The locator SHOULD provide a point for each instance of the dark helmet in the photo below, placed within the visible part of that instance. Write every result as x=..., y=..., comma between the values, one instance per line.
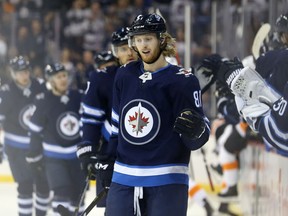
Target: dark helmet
x=19, y=63
x=52, y=69
x=103, y=58
x=120, y=36
x=151, y=23
x=281, y=25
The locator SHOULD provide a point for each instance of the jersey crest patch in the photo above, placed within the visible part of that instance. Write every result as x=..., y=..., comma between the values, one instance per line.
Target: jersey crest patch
x=146, y=76
x=68, y=126
x=185, y=72
x=25, y=115
x=140, y=122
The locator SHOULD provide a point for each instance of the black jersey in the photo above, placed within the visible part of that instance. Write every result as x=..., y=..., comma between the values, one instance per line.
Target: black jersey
x=55, y=124
x=273, y=127
x=145, y=107
x=97, y=105
x=16, y=107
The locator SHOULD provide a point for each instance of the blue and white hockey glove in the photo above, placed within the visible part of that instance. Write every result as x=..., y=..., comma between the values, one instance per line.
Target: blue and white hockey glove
x=190, y=124
x=86, y=153
x=229, y=70
x=104, y=167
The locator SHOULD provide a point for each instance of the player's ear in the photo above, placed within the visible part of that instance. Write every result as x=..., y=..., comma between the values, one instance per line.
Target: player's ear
x=162, y=42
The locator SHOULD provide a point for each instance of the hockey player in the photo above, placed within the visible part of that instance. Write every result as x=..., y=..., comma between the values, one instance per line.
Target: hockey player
x=104, y=59
x=15, y=111
x=262, y=97
x=54, y=130
x=97, y=102
x=157, y=119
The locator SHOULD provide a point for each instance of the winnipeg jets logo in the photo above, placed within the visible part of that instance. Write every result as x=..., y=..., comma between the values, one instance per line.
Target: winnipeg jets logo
x=25, y=115
x=64, y=99
x=27, y=92
x=140, y=122
x=146, y=76
x=185, y=72
x=68, y=126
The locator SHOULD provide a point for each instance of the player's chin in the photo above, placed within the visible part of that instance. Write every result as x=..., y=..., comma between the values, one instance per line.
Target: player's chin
x=147, y=59
x=130, y=60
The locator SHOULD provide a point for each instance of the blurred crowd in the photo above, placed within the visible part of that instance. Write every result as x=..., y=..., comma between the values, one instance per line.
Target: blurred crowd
x=73, y=31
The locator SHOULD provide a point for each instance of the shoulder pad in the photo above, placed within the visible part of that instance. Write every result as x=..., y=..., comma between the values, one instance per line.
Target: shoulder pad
x=40, y=96
x=185, y=72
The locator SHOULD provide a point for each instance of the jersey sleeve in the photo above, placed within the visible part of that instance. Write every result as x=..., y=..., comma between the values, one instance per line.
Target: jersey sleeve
x=190, y=97
x=273, y=127
x=5, y=103
x=113, y=142
x=37, y=125
x=93, y=116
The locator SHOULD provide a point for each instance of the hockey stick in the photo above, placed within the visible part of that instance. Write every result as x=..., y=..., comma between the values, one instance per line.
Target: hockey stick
x=95, y=201
x=259, y=38
x=207, y=170
x=63, y=211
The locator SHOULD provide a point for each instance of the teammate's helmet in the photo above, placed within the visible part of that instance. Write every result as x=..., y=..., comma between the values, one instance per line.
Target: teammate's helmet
x=103, y=58
x=19, y=63
x=150, y=23
x=120, y=36
x=281, y=25
x=52, y=69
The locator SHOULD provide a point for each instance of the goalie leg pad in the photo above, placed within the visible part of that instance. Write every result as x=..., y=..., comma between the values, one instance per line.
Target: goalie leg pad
x=252, y=88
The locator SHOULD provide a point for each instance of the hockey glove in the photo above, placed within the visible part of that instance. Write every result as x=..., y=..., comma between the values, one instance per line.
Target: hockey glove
x=229, y=70
x=1, y=152
x=226, y=103
x=207, y=71
x=190, y=124
x=36, y=163
x=104, y=167
x=86, y=154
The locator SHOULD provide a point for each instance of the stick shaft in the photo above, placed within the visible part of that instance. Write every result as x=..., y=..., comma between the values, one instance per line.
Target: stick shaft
x=207, y=170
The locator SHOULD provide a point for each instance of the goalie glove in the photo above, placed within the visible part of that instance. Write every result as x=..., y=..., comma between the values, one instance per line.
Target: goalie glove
x=86, y=153
x=250, y=86
x=190, y=124
x=251, y=112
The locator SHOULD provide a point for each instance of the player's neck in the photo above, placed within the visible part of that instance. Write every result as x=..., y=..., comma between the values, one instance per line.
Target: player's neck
x=160, y=63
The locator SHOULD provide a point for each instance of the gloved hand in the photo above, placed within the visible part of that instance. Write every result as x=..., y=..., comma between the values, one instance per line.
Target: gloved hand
x=228, y=70
x=86, y=153
x=35, y=161
x=190, y=124
x=104, y=167
x=226, y=103
x=207, y=71
x=1, y=152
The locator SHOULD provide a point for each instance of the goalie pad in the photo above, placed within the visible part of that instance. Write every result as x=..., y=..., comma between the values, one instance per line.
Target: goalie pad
x=251, y=87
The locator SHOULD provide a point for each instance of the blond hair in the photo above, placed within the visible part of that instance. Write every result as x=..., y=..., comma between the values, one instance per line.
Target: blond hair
x=170, y=48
